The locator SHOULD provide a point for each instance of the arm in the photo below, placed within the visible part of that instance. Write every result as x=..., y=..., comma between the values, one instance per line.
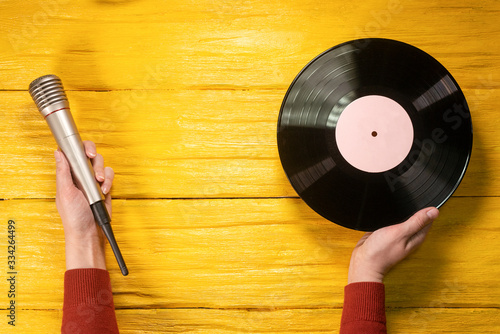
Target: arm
x=372, y=258
x=88, y=299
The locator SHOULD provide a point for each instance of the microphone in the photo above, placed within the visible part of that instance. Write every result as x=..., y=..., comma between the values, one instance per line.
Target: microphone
x=50, y=99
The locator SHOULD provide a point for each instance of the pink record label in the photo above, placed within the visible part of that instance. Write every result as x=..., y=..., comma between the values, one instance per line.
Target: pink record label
x=374, y=133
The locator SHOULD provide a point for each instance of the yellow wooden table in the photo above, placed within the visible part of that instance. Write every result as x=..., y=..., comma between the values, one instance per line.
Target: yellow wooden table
x=182, y=99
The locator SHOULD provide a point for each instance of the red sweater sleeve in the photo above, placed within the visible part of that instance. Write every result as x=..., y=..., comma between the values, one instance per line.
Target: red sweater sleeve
x=88, y=303
x=364, y=309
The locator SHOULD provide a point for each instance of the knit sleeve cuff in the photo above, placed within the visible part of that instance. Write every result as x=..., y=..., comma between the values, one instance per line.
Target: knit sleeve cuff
x=88, y=303
x=87, y=286
x=364, y=301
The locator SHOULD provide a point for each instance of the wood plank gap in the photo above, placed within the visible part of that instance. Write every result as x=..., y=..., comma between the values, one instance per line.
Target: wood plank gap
x=271, y=309
x=197, y=198
x=242, y=89
x=159, y=198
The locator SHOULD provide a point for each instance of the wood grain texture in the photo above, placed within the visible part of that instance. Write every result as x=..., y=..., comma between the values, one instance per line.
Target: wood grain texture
x=184, y=143
x=182, y=98
x=269, y=321
x=229, y=44
x=257, y=253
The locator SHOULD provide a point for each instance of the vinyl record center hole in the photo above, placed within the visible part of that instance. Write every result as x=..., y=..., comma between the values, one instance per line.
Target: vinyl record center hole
x=374, y=134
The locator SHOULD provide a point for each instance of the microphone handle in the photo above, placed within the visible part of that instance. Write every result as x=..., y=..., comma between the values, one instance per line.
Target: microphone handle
x=103, y=220
x=68, y=139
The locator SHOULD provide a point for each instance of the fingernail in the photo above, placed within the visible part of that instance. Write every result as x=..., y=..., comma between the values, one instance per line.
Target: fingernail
x=57, y=156
x=104, y=190
x=433, y=213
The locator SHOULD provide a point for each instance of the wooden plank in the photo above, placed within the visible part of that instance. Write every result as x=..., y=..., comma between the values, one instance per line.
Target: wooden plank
x=314, y=321
x=255, y=253
x=229, y=44
x=210, y=143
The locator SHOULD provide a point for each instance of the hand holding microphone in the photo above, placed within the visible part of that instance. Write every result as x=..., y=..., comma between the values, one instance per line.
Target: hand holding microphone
x=49, y=96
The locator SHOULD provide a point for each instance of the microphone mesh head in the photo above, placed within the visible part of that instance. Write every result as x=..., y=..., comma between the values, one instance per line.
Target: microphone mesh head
x=46, y=91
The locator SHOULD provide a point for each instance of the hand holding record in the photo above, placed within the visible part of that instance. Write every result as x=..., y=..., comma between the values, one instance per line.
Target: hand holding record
x=372, y=258
x=377, y=252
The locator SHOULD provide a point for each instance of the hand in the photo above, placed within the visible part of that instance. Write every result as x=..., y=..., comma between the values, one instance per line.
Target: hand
x=84, y=239
x=377, y=252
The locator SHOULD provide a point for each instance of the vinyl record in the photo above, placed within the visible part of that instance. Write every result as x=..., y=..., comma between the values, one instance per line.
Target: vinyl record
x=373, y=130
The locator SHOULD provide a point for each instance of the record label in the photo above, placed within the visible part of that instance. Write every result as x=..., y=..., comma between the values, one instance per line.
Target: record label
x=373, y=130
x=374, y=133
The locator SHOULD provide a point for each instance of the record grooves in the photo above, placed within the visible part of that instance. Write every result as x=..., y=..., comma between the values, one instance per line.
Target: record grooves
x=371, y=131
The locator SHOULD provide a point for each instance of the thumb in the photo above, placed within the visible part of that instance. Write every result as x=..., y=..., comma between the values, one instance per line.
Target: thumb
x=418, y=226
x=63, y=172
x=420, y=220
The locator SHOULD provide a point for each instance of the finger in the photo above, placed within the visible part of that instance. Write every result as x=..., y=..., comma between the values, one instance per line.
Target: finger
x=432, y=213
x=419, y=220
x=107, y=202
x=63, y=172
x=90, y=148
x=363, y=239
x=418, y=238
x=109, y=175
x=98, y=164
